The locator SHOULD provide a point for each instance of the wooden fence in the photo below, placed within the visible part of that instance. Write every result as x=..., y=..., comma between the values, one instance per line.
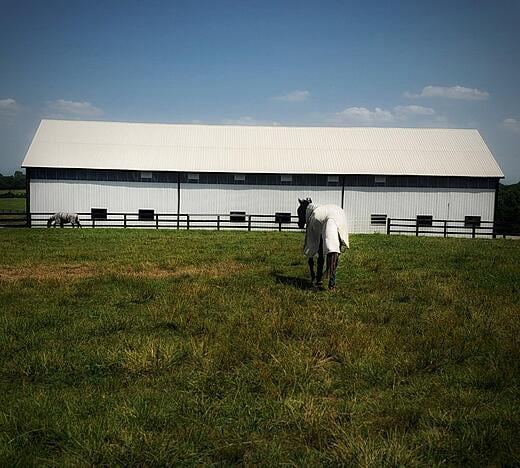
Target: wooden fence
x=247, y=222
x=447, y=228
x=250, y=222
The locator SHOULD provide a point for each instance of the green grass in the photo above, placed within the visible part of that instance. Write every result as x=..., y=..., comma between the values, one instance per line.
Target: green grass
x=127, y=347
x=12, y=203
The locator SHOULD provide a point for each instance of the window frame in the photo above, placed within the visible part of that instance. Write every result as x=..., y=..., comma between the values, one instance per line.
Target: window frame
x=471, y=221
x=145, y=214
x=333, y=180
x=283, y=217
x=378, y=219
x=424, y=220
x=193, y=177
x=239, y=178
x=98, y=214
x=237, y=216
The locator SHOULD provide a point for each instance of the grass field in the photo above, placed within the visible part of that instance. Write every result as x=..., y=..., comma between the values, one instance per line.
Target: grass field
x=159, y=347
x=12, y=203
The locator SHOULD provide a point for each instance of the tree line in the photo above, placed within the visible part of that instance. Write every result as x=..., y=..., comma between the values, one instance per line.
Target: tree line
x=11, y=182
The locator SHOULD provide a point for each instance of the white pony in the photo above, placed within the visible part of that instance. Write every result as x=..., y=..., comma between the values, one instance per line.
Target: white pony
x=63, y=218
x=326, y=233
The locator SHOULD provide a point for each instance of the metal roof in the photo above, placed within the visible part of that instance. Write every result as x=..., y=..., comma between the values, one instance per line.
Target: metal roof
x=261, y=149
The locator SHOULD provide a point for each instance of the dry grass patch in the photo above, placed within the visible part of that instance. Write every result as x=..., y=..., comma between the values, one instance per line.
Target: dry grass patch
x=44, y=272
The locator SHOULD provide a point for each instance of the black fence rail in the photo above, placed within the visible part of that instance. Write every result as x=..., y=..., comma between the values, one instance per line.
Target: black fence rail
x=448, y=228
x=247, y=222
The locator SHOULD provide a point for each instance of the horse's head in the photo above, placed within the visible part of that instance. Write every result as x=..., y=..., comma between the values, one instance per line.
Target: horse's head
x=302, y=210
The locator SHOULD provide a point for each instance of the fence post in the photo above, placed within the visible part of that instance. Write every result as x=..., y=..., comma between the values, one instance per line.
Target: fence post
x=388, y=221
x=93, y=222
x=29, y=220
x=473, y=229
x=280, y=226
x=218, y=223
x=124, y=220
x=445, y=228
x=188, y=222
x=156, y=221
x=416, y=227
x=249, y=223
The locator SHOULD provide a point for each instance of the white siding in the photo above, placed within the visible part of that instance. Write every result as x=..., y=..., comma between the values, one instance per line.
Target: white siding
x=253, y=199
x=81, y=196
x=359, y=203
x=453, y=204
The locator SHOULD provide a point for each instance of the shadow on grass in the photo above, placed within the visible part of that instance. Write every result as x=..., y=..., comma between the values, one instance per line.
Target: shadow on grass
x=293, y=281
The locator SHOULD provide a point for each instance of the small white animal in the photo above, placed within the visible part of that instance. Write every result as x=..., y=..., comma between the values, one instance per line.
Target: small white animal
x=63, y=218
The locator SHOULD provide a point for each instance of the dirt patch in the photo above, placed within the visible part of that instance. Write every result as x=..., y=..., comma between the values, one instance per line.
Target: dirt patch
x=66, y=272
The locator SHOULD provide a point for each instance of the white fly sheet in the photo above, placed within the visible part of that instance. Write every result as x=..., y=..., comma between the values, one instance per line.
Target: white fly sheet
x=329, y=222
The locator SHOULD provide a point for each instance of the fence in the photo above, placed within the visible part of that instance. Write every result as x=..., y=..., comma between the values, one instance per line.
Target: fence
x=447, y=228
x=248, y=222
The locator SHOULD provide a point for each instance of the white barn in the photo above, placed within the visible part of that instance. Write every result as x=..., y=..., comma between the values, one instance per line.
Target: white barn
x=373, y=173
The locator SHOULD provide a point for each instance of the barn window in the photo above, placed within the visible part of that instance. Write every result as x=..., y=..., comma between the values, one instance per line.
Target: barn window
x=282, y=217
x=146, y=215
x=193, y=178
x=378, y=219
x=424, y=220
x=380, y=181
x=472, y=221
x=98, y=213
x=240, y=178
x=333, y=180
x=237, y=216
x=286, y=179
x=146, y=175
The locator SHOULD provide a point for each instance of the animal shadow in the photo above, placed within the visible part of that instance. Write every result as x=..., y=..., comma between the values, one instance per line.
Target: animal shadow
x=293, y=281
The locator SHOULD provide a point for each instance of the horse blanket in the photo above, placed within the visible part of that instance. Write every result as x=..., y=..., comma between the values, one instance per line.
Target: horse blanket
x=328, y=222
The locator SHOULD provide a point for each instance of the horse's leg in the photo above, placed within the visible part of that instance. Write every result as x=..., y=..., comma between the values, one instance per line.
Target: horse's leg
x=321, y=262
x=311, y=269
x=332, y=265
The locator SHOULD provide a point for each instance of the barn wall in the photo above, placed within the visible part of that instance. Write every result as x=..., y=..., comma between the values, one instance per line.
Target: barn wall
x=254, y=199
x=81, y=196
x=455, y=204
x=359, y=202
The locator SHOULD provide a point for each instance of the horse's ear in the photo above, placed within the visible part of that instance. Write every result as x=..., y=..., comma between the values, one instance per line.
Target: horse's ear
x=309, y=200
x=299, y=201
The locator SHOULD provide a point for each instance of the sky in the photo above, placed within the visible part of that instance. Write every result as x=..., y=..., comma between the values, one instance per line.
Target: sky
x=329, y=63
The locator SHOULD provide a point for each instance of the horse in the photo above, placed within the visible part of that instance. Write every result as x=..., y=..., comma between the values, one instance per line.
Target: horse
x=63, y=218
x=325, y=234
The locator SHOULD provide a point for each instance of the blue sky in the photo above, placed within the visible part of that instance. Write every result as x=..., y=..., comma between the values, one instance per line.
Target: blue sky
x=369, y=63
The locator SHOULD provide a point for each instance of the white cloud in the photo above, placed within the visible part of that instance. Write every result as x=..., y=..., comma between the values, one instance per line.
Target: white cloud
x=512, y=124
x=404, y=112
x=362, y=115
x=398, y=115
x=8, y=106
x=248, y=120
x=450, y=92
x=294, y=96
x=64, y=108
